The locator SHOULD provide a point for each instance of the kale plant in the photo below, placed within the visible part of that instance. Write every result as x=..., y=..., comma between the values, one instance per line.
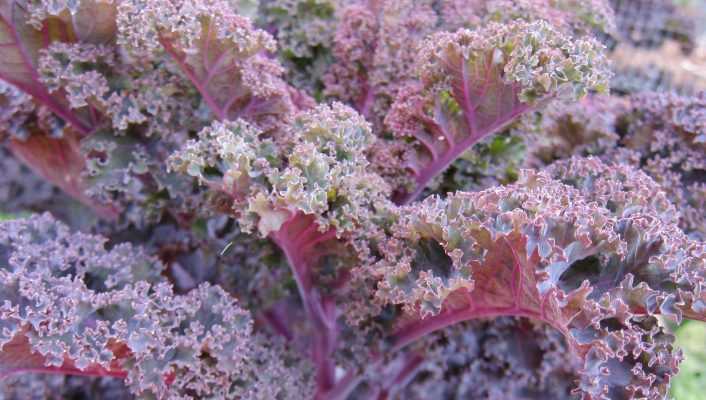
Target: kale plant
x=329, y=199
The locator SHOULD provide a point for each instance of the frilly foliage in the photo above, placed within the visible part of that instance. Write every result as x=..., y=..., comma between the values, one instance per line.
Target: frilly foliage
x=79, y=307
x=233, y=185
x=317, y=167
x=304, y=30
x=592, y=250
x=476, y=82
x=662, y=134
x=477, y=359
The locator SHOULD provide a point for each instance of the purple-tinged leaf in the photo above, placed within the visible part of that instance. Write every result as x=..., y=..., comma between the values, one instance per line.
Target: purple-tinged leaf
x=60, y=162
x=69, y=305
x=233, y=84
x=589, y=249
x=473, y=83
x=217, y=49
x=375, y=51
x=503, y=358
x=304, y=189
x=22, y=38
x=18, y=356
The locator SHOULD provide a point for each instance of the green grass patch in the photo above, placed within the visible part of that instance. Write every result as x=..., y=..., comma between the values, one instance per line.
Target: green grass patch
x=690, y=382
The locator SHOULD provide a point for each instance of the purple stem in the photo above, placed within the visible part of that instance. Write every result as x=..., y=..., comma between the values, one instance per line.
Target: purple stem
x=37, y=90
x=428, y=172
x=419, y=329
x=402, y=377
x=344, y=387
x=296, y=238
x=188, y=71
